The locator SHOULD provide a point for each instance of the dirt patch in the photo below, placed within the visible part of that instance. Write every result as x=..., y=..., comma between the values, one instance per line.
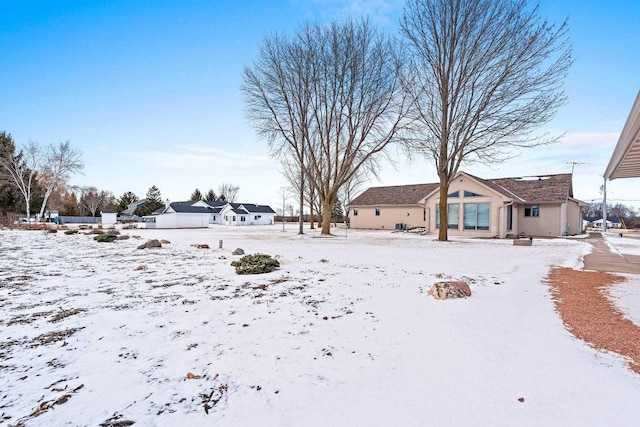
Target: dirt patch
x=580, y=299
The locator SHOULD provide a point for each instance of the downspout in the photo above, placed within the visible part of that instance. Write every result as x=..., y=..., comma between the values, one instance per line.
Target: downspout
x=502, y=225
x=604, y=207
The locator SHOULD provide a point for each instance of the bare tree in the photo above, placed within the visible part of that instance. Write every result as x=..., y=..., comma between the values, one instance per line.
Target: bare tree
x=20, y=169
x=91, y=199
x=485, y=74
x=60, y=162
x=331, y=97
x=350, y=189
x=228, y=192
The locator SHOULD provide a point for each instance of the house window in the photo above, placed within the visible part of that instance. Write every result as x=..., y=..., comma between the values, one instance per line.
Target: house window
x=355, y=211
x=214, y=217
x=510, y=217
x=471, y=194
x=377, y=211
x=242, y=218
x=453, y=216
x=226, y=218
x=476, y=216
x=454, y=194
x=257, y=217
x=531, y=210
x=234, y=218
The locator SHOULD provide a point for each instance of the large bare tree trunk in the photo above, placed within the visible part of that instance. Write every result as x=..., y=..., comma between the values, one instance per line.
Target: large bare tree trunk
x=444, y=224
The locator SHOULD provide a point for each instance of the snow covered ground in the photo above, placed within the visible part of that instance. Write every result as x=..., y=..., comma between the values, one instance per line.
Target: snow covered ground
x=342, y=334
x=626, y=295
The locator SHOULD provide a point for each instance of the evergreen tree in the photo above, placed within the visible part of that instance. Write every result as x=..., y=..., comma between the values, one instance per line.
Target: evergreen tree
x=211, y=196
x=152, y=202
x=125, y=200
x=196, y=195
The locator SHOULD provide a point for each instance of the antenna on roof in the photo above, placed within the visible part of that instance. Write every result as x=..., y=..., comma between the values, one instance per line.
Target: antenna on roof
x=573, y=165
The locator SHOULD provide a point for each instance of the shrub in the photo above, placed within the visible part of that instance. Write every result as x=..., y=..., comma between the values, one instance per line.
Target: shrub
x=105, y=238
x=68, y=232
x=256, y=264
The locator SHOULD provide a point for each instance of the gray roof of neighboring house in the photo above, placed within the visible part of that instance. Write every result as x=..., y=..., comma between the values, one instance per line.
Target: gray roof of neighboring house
x=253, y=208
x=543, y=188
x=215, y=204
x=187, y=207
x=393, y=195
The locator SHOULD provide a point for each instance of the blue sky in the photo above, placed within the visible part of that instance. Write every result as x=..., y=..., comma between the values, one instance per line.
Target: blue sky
x=149, y=91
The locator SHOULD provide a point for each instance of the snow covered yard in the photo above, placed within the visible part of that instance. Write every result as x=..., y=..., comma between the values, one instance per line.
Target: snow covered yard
x=343, y=333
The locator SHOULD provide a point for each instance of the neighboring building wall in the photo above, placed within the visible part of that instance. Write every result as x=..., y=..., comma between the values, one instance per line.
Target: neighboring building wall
x=109, y=218
x=389, y=216
x=182, y=220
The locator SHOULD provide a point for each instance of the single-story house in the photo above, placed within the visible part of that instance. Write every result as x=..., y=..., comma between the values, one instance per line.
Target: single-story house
x=247, y=214
x=201, y=214
x=611, y=223
x=532, y=206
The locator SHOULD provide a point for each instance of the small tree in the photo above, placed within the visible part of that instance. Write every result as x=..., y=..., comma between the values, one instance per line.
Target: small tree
x=125, y=200
x=196, y=196
x=228, y=192
x=91, y=199
x=211, y=196
x=60, y=162
x=152, y=202
x=20, y=169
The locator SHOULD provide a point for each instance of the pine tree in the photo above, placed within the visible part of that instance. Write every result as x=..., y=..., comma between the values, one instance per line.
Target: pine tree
x=196, y=195
x=125, y=200
x=152, y=202
x=211, y=196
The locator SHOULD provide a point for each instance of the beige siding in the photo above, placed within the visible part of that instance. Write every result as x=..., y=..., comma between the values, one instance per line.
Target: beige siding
x=548, y=224
x=574, y=218
x=497, y=218
x=389, y=216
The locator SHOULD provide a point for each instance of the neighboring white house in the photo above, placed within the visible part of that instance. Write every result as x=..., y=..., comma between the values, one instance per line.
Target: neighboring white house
x=247, y=214
x=610, y=224
x=201, y=214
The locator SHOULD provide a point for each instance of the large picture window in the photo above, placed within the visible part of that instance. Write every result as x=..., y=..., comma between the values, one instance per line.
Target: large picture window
x=476, y=216
x=531, y=210
x=453, y=216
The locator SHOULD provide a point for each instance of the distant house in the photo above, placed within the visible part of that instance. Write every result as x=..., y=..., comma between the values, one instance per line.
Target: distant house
x=200, y=214
x=132, y=207
x=532, y=206
x=611, y=223
x=247, y=214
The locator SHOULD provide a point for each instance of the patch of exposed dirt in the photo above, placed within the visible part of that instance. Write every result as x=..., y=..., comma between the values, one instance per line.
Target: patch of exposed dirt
x=580, y=299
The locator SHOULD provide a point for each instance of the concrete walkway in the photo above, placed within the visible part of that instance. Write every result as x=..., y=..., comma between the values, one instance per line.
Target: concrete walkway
x=603, y=259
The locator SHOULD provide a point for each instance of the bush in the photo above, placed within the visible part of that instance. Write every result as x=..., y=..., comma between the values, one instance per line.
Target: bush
x=69, y=232
x=256, y=264
x=105, y=238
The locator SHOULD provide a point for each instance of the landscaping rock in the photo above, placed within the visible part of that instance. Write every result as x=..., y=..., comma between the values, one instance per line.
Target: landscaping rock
x=51, y=231
x=164, y=242
x=256, y=264
x=123, y=237
x=449, y=290
x=200, y=246
x=69, y=232
x=238, y=251
x=150, y=244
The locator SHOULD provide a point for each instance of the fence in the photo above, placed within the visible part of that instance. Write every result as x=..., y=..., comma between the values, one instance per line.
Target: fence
x=79, y=220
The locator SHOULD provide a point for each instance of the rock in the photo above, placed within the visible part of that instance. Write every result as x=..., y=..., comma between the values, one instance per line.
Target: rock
x=70, y=232
x=123, y=237
x=200, y=246
x=114, y=232
x=238, y=251
x=463, y=287
x=154, y=243
x=164, y=242
x=51, y=230
x=448, y=290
